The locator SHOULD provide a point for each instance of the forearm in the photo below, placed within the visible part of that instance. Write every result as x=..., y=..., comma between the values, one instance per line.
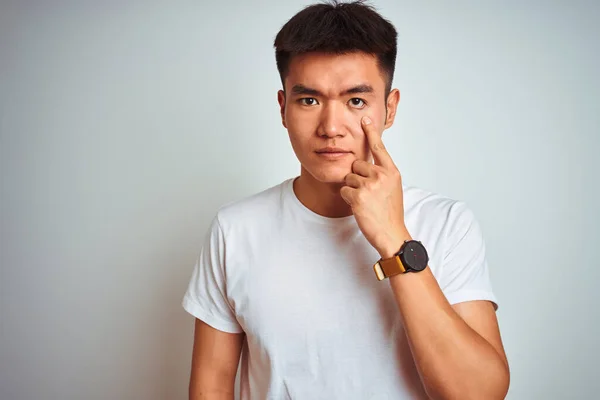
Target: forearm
x=210, y=394
x=453, y=361
x=211, y=386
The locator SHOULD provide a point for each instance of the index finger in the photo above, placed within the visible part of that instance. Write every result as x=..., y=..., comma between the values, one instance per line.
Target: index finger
x=380, y=154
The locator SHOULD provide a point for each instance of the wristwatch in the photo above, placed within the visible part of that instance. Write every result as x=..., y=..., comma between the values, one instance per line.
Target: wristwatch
x=412, y=257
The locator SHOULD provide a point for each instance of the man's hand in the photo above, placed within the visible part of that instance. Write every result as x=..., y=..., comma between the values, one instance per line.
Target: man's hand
x=374, y=191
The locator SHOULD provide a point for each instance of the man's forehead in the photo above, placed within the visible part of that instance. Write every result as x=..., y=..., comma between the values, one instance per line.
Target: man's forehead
x=335, y=73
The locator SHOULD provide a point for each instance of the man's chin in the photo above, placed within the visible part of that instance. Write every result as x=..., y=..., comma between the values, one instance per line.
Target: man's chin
x=331, y=175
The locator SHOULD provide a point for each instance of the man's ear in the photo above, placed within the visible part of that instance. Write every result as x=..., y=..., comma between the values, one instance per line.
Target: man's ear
x=281, y=101
x=391, y=107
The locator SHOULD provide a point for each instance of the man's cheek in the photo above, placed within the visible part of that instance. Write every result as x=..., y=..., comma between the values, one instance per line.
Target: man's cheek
x=360, y=138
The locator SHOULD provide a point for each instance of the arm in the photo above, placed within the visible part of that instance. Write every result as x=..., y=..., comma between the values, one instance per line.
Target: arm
x=457, y=349
x=215, y=361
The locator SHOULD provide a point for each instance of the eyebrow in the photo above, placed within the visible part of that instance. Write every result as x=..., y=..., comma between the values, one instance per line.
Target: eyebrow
x=304, y=90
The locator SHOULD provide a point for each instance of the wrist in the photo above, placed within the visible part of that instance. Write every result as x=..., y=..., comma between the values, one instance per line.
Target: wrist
x=393, y=245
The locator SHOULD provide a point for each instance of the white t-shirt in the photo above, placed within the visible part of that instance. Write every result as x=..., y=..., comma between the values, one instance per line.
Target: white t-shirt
x=318, y=323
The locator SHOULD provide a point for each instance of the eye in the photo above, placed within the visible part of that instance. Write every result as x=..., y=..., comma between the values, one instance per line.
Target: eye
x=357, y=103
x=308, y=101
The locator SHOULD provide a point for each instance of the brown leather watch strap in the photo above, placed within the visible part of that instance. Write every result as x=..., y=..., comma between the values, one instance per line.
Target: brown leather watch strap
x=388, y=267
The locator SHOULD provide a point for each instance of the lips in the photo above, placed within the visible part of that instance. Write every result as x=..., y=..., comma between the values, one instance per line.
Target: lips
x=333, y=153
x=332, y=150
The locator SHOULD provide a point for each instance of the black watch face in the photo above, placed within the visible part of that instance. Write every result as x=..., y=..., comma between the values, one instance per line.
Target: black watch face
x=415, y=256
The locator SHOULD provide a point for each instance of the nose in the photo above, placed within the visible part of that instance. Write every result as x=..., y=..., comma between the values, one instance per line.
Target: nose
x=331, y=124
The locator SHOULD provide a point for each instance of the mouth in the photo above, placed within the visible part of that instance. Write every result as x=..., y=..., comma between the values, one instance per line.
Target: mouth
x=333, y=152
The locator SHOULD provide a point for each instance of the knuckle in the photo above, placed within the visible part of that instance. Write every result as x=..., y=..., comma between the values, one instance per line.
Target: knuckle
x=378, y=146
x=360, y=197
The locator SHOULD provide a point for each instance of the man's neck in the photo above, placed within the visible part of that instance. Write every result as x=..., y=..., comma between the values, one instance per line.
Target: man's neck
x=321, y=198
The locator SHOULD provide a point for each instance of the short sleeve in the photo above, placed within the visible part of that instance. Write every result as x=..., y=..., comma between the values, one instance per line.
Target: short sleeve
x=464, y=272
x=206, y=296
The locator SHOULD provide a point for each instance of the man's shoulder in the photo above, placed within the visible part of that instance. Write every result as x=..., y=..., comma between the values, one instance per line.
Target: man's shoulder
x=415, y=196
x=434, y=207
x=257, y=206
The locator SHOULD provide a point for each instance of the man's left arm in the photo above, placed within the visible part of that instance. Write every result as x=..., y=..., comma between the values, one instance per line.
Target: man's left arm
x=457, y=349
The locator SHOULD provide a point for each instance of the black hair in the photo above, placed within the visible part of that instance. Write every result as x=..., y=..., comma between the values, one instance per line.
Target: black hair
x=338, y=28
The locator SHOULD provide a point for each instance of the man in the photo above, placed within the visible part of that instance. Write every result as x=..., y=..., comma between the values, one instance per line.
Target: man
x=341, y=283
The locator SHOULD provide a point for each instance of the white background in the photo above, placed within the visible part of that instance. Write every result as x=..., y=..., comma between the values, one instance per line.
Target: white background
x=125, y=125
